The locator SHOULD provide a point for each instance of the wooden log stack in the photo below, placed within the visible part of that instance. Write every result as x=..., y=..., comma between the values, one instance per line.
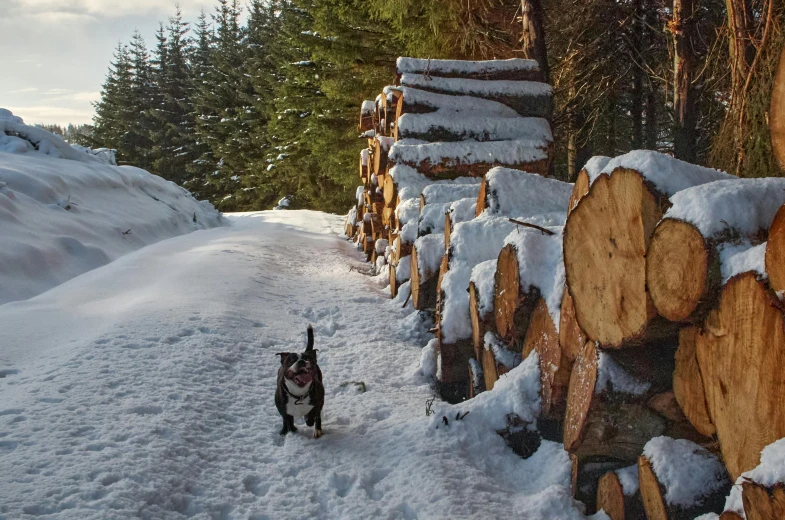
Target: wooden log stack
x=650, y=290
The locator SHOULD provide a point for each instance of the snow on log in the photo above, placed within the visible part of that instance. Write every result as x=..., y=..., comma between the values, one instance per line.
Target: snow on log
x=741, y=355
x=591, y=169
x=470, y=158
x=774, y=259
x=416, y=101
x=527, y=98
x=511, y=69
x=688, y=383
x=431, y=218
x=777, y=113
x=520, y=194
x=760, y=492
x=496, y=360
x=476, y=379
x=367, y=112
x=680, y=480
x=454, y=126
x=683, y=268
x=381, y=148
x=426, y=255
x=440, y=193
x=460, y=211
x=606, y=240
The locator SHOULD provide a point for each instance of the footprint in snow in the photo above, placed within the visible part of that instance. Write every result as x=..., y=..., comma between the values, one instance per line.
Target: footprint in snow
x=342, y=483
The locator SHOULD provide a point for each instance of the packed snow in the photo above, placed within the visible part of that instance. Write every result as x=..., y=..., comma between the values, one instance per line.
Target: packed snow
x=515, y=193
x=145, y=388
x=64, y=213
x=741, y=258
x=478, y=87
x=445, y=103
x=430, y=250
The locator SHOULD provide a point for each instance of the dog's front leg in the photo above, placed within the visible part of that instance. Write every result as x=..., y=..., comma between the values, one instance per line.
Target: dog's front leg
x=317, y=431
x=288, y=425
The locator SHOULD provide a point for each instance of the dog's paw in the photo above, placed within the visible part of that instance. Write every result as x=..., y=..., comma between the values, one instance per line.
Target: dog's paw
x=317, y=434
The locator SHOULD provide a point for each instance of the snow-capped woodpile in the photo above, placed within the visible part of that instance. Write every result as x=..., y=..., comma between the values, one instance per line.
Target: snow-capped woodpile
x=650, y=290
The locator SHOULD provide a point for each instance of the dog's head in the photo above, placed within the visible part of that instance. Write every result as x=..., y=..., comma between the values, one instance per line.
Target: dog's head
x=300, y=368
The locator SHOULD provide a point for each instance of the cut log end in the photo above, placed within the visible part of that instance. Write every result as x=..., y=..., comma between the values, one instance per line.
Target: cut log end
x=775, y=247
x=579, y=190
x=761, y=503
x=688, y=384
x=579, y=395
x=677, y=269
x=571, y=337
x=651, y=493
x=610, y=496
x=482, y=198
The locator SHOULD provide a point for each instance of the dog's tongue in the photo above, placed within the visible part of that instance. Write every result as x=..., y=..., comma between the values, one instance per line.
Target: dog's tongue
x=302, y=379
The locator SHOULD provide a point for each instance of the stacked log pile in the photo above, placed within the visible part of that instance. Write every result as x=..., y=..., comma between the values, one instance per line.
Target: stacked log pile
x=650, y=290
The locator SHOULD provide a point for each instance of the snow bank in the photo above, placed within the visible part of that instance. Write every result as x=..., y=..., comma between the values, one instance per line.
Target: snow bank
x=688, y=472
x=406, y=65
x=668, y=175
x=746, y=206
x=470, y=152
x=515, y=193
x=478, y=87
x=541, y=265
x=61, y=218
x=457, y=127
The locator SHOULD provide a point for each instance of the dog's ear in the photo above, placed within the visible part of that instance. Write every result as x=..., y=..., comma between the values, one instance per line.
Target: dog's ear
x=283, y=355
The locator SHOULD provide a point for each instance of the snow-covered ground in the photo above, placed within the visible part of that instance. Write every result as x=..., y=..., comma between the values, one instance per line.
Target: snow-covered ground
x=144, y=388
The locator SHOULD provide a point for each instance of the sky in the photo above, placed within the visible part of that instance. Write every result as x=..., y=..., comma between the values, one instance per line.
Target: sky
x=54, y=54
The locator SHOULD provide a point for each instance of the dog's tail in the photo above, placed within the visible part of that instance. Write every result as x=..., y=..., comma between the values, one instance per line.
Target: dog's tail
x=310, y=339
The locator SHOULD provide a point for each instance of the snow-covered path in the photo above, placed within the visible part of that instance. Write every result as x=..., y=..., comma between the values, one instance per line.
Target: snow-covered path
x=145, y=389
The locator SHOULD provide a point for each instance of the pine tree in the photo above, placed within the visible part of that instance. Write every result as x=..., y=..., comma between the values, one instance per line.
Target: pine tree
x=135, y=143
x=111, y=112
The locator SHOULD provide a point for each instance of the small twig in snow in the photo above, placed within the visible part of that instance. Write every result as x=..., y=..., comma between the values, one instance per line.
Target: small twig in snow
x=127, y=232
x=543, y=230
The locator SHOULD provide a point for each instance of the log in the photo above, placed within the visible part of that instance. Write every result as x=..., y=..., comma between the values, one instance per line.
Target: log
x=425, y=271
x=393, y=281
x=688, y=383
x=480, y=325
x=527, y=98
x=471, y=159
x=457, y=127
x=367, y=111
x=775, y=250
x=381, y=148
x=591, y=420
x=761, y=503
x=511, y=69
x=512, y=304
x=605, y=242
x=521, y=194
x=777, y=113
x=571, y=337
x=651, y=493
x=579, y=190
x=390, y=191
x=612, y=500
x=683, y=271
x=416, y=101
x=495, y=360
x=476, y=378
x=555, y=368
x=746, y=330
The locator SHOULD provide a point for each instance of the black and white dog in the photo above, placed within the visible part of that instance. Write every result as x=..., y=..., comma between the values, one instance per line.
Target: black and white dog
x=300, y=390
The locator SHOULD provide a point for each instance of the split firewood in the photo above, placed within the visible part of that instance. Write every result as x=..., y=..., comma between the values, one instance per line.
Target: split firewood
x=606, y=240
x=684, y=270
x=741, y=355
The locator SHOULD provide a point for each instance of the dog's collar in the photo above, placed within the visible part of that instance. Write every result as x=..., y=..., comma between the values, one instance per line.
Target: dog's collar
x=298, y=399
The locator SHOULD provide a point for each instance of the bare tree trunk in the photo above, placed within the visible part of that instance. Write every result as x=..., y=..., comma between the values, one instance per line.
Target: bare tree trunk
x=533, y=36
x=742, y=51
x=684, y=102
x=636, y=106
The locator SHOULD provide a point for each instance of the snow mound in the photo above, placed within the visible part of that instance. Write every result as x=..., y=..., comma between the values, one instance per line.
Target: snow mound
x=61, y=218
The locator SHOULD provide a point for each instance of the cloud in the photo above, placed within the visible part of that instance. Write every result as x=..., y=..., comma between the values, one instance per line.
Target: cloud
x=23, y=90
x=87, y=10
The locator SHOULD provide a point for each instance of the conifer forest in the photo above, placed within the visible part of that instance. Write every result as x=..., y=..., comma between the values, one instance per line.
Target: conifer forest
x=256, y=101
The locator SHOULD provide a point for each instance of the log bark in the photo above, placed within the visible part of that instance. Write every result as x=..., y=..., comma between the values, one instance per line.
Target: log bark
x=512, y=305
x=775, y=251
x=579, y=190
x=777, y=113
x=688, y=383
x=761, y=503
x=746, y=330
x=555, y=368
x=606, y=239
